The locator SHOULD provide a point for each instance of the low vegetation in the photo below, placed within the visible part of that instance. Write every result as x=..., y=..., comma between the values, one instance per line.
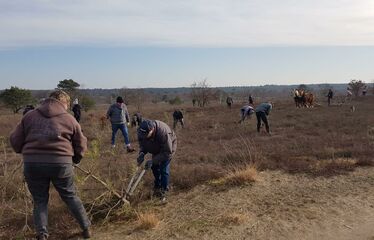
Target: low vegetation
x=318, y=141
x=147, y=221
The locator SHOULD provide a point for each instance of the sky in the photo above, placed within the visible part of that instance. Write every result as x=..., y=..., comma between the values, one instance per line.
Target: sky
x=173, y=43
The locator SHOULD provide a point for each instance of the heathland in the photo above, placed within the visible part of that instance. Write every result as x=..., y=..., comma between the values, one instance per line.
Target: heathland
x=311, y=179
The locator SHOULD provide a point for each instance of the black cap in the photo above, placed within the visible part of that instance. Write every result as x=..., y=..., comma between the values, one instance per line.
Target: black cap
x=119, y=99
x=145, y=127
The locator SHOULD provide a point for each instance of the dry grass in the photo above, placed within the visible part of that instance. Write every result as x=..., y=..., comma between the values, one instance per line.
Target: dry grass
x=242, y=176
x=212, y=146
x=233, y=219
x=147, y=221
x=334, y=164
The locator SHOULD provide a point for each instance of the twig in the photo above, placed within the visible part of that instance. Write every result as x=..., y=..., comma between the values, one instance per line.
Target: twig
x=110, y=210
x=348, y=226
x=26, y=227
x=114, y=192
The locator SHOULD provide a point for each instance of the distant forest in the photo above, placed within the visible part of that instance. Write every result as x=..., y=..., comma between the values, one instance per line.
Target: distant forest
x=103, y=96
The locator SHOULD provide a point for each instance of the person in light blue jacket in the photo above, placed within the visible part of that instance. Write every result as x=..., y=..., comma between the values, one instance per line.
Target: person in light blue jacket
x=246, y=111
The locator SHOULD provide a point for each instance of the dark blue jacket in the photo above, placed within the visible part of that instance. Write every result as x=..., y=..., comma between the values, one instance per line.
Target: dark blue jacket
x=264, y=107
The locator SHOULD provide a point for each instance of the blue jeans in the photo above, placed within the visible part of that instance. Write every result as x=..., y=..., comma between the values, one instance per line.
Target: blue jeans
x=161, y=172
x=38, y=177
x=123, y=128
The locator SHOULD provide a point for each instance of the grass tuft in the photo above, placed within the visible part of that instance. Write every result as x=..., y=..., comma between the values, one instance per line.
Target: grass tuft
x=147, y=221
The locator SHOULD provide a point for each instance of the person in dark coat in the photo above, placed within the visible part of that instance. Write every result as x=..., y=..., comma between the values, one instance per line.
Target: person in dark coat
x=250, y=99
x=157, y=138
x=136, y=119
x=330, y=94
x=178, y=117
x=28, y=108
x=229, y=102
x=262, y=111
x=77, y=110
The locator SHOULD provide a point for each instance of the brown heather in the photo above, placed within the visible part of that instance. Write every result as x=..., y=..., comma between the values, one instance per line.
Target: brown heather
x=318, y=141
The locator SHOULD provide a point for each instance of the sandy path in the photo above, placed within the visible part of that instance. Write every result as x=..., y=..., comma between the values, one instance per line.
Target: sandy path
x=278, y=206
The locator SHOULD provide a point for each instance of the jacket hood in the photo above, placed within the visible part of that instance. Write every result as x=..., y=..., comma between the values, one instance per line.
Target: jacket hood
x=119, y=106
x=51, y=108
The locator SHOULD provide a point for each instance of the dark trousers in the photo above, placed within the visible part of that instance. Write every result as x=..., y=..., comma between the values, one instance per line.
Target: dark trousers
x=123, y=128
x=77, y=117
x=38, y=177
x=261, y=116
x=161, y=172
x=176, y=122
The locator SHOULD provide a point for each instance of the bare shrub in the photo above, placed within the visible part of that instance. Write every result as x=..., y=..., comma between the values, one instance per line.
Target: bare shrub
x=202, y=93
x=242, y=152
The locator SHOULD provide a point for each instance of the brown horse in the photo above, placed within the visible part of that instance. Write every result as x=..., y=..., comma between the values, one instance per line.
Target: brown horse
x=309, y=100
x=303, y=98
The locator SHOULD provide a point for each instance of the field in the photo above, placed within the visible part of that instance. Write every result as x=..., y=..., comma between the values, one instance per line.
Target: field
x=311, y=179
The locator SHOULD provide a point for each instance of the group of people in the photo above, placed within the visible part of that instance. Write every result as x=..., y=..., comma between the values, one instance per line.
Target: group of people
x=262, y=111
x=52, y=141
x=349, y=94
x=154, y=137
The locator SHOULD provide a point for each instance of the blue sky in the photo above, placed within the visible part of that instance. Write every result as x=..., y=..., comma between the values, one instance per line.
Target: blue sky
x=172, y=43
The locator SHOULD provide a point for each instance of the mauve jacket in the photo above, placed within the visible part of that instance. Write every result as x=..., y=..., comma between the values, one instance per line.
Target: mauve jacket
x=49, y=130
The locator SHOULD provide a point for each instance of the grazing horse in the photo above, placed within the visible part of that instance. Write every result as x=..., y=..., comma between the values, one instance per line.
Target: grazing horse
x=309, y=100
x=298, y=97
x=303, y=99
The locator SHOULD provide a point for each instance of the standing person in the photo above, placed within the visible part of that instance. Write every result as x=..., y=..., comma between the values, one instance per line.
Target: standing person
x=250, y=99
x=349, y=94
x=178, y=117
x=364, y=91
x=50, y=140
x=28, y=108
x=329, y=97
x=157, y=138
x=229, y=101
x=119, y=116
x=246, y=111
x=77, y=110
x=262, y=111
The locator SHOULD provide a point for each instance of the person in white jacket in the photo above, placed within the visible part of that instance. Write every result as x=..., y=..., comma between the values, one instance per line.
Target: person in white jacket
x=246, y=111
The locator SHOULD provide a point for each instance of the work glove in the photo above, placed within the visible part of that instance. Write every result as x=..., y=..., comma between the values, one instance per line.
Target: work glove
x=140, y=158
x=77, y=159
x=148, y=164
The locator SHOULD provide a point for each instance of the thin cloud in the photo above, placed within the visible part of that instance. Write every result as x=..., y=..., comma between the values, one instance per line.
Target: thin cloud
x=209, y=23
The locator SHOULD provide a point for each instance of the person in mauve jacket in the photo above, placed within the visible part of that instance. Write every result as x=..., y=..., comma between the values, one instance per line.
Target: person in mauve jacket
x=50, y=140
